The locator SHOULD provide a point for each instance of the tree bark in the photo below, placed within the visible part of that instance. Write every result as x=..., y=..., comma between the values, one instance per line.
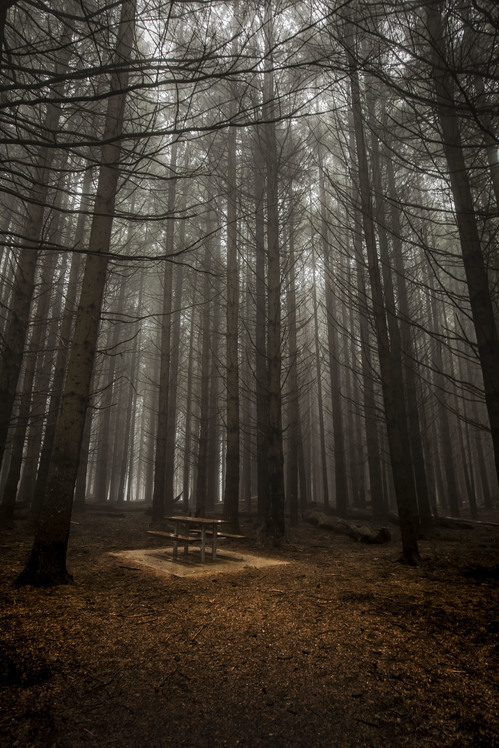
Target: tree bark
x=340, y=468
x=320, y=398
x=188, y=462
x=474, y=265
x=47, y=563
x=16, y=327
x=369, y=374
x=403, y=488
x=158, y=500
x=451, y=499
x=32, y=366
x=63, y=349
x=409, y=356
x=274, y=526
x=394, y=333
x=201, y=491
x=171, y=437
x=232, y=457
x=293, y=409
x=261, y=370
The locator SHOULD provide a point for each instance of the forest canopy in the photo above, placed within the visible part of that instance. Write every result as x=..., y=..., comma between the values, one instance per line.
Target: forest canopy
x=249, y=260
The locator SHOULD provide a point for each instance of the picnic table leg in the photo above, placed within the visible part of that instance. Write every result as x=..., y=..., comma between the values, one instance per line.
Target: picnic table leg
x=175, y=542
x=214, y=544
x=203, y=543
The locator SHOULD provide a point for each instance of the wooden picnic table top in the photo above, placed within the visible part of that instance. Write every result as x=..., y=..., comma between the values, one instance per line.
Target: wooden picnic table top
x=195, y=520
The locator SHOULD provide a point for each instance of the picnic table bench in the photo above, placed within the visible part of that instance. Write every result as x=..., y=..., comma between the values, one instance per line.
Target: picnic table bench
x=199, y=530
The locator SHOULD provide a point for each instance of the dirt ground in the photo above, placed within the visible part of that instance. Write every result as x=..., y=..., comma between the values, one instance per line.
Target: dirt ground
x=342, y=646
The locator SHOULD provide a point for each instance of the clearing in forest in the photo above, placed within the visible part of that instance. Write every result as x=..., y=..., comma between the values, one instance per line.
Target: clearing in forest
x=340, y=646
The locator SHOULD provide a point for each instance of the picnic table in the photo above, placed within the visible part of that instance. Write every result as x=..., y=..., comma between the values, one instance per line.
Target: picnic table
x=188, y=530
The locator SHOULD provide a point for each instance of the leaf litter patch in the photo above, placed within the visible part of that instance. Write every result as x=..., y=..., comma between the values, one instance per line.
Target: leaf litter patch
x=189, y=564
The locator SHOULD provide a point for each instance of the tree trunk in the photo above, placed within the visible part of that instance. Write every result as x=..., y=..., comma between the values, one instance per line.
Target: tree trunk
x=451, y=499
x=107, y=429
x=274, y=527
x=127, y=473
x=390, y=305
x=353, y=397
x=340, y=467
x=373, y=446
x=16, y=327
x=47, y=563
x=293, y=410
x=202, y=461
x=62, y=351
x=32, y=361
x=320, y=399
x=188, y=462
x=409, y=356
x=261, y=371
x=403, y=486
x=232, y=457
x=171, y=437
x=158, y=500
x=476, y=273
x=4, y=9
x=214, y=427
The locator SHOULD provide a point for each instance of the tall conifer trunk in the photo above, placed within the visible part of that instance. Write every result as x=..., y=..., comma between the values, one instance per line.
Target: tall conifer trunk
x=293, y=410
x=16, y=326
x=158, y=500
x=274, y=526
x=340, y=467
x=482, y=310
x=232, y=457
x=261, y=372
x=403, y=486
x=47, y=562
x=320, y=399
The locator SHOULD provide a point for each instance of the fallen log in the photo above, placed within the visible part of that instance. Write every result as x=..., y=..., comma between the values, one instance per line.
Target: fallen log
x=360, y=532
x=466, y=524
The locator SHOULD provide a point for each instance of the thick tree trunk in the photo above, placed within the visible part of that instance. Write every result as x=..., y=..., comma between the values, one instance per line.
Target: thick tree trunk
x=403, y=486
x=16, y=327
x=47, y=563
x=62, y=351
x=31, y=364
x=476, y=273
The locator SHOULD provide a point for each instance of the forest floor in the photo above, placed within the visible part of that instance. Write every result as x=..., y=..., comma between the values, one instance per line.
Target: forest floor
x=342, y=646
